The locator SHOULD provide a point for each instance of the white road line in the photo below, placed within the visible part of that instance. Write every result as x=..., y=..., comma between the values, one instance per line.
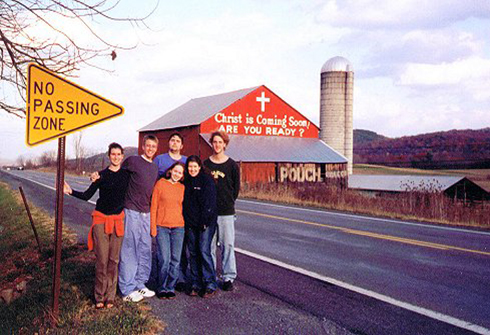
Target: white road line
x=36, y=182
x=369, y=218
x=50, y=187
x=420, y=310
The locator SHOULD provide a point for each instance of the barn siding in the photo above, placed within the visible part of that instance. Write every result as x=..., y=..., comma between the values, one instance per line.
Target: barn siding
x=253, y=173
x=258, y=172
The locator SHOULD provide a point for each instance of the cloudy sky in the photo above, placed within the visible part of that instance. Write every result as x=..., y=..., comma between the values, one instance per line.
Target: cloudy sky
x=419, y=65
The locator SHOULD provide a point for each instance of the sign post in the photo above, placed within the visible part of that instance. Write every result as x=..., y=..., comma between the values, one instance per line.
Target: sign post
x=60, y=180
x=57, y=107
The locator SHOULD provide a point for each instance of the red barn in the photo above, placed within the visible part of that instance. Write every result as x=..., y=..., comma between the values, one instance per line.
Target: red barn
x=270, y=140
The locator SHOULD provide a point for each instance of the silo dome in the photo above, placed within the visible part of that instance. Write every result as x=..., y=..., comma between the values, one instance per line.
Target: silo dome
x=337, y=64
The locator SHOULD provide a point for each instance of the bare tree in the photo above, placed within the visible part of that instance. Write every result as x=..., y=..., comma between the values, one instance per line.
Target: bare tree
x=48, y=158
x=20, y=161
x=29, y=164
x=20, y=43
x=80, y=150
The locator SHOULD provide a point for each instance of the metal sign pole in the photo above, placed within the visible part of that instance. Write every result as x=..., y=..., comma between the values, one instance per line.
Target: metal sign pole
x=60, y=179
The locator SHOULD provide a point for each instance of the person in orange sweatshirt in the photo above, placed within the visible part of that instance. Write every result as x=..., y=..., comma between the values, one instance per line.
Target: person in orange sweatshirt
x=167, y=224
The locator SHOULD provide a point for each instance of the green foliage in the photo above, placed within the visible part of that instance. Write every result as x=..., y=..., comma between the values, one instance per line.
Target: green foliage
x=362, y=136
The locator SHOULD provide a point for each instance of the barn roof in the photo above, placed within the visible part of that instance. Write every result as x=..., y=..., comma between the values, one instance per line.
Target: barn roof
x=280, y=149
x=402, y=183
x=196, y=111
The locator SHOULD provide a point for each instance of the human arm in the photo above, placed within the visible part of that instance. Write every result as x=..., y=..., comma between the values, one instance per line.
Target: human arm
x=236, y=180
x=89, y=193
x=186, y=202
x=128, y=164
x=154, y=210
x=207, y=202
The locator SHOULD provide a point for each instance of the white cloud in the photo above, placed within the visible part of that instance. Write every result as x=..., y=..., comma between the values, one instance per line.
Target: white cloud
x=459, y=72
x=400, y=14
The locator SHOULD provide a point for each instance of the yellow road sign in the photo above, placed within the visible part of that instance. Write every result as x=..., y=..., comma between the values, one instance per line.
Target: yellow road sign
x=57, y=107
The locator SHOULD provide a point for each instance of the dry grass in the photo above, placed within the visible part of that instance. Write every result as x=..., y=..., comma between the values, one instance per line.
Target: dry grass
x=30, y=312
x=418, y=206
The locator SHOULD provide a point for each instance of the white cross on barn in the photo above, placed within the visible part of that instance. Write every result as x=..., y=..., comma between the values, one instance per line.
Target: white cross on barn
x=262, y=99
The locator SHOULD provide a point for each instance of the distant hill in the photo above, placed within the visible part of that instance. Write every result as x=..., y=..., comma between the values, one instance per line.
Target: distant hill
x=99, y=161
x=450, y=149
x=362, y=136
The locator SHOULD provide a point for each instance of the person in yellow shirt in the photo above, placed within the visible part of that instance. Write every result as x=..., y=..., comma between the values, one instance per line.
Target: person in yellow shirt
x=167, y=224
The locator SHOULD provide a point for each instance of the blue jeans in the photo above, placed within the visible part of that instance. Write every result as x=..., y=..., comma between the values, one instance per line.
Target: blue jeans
x=203, y=273
x=184, y=263
x=169, y=250
x=135, y=256
x=226, y=238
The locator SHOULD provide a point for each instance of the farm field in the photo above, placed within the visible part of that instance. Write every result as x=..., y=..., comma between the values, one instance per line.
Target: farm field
x=479, y=176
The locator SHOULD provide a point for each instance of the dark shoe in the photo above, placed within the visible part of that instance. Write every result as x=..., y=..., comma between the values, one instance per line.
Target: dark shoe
x=208, y=293
x=194, y=292
x=228, y=286
x=180, y=287
x=171, y=295
x=161, y=295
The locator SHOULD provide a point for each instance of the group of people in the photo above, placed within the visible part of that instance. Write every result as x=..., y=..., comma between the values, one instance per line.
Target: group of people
x=186, y=204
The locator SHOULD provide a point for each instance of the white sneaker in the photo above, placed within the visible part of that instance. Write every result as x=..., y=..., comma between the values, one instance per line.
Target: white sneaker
x=134, y=296
x=146, y=292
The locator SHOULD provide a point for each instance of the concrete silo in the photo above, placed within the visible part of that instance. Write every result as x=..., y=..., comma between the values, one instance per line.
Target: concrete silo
x=336, y=107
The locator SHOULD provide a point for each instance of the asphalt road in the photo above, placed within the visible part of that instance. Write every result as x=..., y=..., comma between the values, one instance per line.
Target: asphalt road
x=309, y=271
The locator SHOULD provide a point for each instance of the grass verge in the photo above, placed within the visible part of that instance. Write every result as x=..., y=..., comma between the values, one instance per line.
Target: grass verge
x=29, y=312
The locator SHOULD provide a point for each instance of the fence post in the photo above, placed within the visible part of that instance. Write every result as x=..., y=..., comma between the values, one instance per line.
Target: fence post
x=30, y=218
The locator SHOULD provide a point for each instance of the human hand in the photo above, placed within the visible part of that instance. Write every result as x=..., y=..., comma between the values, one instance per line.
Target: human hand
x=94, y=176
x=67, y=189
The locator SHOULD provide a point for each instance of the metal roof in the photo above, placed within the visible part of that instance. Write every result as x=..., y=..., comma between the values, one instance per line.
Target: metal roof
x=402, y=183
x=337, y=64
x=197, y=110
x=280, y=149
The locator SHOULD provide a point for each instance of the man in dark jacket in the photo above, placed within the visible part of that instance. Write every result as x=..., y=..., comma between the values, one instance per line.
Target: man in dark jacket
x=227, y=176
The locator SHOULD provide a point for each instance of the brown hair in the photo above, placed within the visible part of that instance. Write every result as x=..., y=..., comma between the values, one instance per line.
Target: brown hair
x=150, y=137
x=221, y=134
x=169, y=170
x=179, y=135
x=195, y=159
x=114, y=145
